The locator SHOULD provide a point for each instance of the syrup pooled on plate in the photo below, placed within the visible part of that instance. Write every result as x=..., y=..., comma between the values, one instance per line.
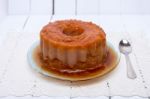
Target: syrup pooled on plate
x=107, y=65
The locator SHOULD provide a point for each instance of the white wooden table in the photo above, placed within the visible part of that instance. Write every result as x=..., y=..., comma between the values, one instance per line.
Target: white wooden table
x=13, y=29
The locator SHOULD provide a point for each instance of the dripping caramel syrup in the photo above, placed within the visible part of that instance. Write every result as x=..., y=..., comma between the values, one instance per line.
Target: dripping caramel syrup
x=99, y=70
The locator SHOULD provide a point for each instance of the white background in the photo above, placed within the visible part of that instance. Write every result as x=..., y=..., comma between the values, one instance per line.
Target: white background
x=75, y=6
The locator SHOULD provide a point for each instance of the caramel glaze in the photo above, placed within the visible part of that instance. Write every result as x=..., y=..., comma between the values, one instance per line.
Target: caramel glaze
x=109, y=61
x=72, y=34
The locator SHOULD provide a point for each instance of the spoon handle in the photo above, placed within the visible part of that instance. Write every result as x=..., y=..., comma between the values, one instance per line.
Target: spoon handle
x=130, y=71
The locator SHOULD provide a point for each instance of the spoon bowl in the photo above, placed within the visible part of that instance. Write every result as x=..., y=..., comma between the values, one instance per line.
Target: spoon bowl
x=126, y=49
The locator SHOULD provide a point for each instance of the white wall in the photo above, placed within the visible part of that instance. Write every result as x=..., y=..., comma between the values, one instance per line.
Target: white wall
x=3, y=9
x=79, y=6
x=18, y=6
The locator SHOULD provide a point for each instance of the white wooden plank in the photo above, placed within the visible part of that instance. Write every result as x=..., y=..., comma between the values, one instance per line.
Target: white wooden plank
x=145, y=8
x=115, y=32
x=3, y=9
x=18, y=6
x=90, y=88
x=111, y=24
x=82, y=7
x=110, y=7
x=64, y=17
x=134, y=23
x=124, y=7
x=137, y=27
x=25, y=78
x=132, y=97
x=88, y=18
x=87, y=7
x=36, y=22
x=9, y=32
x=30, y=97
x=64, y=7
x=11, y=24
x=131, y=6
x=113, y=27
x=142, y=38
x=30, y=81
x=98, y=97
x=124, y=85
x=41, y=7
x=46, y=97
x=145, y=70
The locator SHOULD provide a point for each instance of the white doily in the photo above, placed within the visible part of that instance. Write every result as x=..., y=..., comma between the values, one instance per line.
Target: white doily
x=18, y=78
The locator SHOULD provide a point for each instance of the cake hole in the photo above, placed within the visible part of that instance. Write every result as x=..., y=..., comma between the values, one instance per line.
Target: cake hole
x=73, y=31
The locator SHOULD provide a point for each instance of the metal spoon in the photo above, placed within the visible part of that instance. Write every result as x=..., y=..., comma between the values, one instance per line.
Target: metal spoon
x=126, y=49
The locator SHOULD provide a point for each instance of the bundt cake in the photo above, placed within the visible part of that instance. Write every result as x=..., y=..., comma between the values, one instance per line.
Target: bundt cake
x=73, y=46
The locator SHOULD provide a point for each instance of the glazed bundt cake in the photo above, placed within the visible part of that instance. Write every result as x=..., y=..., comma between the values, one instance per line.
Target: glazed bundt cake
x=73, y=45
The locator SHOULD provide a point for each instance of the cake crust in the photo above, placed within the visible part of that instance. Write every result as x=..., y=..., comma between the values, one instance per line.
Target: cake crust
x=73, y=44
x=87, y=33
